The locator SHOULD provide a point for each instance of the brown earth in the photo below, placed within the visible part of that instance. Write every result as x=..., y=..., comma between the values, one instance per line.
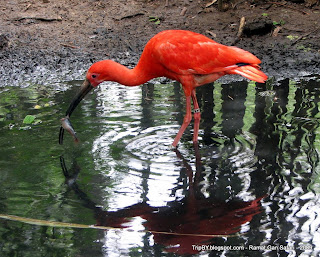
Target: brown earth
x=65, y=36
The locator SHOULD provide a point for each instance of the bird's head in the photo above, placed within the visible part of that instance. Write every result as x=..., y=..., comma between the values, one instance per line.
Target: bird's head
x=97, y=73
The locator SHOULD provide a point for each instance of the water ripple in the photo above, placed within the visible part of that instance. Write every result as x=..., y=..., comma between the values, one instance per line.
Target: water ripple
x=153, y=144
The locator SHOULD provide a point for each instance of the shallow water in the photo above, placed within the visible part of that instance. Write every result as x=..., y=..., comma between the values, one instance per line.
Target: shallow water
x=253, y=183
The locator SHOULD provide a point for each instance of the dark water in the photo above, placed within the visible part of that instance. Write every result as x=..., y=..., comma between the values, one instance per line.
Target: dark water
x=253, y=184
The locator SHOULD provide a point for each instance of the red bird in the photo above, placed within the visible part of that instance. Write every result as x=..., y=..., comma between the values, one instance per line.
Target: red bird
x=185, y=56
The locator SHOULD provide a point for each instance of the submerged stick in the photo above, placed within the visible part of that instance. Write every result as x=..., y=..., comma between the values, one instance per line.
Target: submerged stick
x=39, y=222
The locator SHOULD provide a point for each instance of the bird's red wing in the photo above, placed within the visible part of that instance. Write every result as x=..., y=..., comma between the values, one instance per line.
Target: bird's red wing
x=189, y=58
x=197, y=54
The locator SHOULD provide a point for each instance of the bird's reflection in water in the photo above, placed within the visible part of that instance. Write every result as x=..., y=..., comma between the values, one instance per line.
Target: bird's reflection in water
x=180, y=225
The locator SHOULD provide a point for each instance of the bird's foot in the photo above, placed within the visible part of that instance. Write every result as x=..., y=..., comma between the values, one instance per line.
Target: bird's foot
x=173, y=147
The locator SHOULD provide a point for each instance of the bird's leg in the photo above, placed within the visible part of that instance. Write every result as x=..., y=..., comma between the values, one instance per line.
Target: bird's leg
x=186, y=121
x=196, y=115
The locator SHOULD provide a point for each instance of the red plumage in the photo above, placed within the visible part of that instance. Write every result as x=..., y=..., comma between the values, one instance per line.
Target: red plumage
x=186, y=52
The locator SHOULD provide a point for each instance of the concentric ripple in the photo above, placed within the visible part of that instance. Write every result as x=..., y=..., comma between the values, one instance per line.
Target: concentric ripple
x=153, y=144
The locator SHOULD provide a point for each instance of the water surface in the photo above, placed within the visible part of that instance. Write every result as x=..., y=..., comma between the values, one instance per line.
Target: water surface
x=253, y=183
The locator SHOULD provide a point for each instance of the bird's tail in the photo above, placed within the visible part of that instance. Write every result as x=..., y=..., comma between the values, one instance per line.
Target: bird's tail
x=250, y=71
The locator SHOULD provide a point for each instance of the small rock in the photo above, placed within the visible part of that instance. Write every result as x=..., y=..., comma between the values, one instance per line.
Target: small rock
x=261, y=26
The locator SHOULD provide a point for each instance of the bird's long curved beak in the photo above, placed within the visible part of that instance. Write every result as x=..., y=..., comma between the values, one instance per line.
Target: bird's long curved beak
x=85, y=89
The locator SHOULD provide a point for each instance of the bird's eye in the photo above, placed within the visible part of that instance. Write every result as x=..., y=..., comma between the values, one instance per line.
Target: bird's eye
x=93, y=76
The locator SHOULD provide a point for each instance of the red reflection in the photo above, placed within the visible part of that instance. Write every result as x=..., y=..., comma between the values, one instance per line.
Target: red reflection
x=194, y=220
x=186, y=223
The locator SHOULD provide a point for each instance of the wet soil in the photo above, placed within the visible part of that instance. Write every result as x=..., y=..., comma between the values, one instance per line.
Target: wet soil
x=61, y=38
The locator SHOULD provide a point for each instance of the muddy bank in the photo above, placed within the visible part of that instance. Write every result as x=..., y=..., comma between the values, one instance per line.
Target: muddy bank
x=58, y=40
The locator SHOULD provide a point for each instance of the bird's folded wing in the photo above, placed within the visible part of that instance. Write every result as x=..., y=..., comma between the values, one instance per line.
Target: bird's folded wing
x=201, y=57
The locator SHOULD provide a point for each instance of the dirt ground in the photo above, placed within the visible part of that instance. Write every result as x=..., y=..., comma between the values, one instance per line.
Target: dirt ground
x=64, y=37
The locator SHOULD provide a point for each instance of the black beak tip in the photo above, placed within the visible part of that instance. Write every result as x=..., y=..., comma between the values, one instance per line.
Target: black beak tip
x=61, y=133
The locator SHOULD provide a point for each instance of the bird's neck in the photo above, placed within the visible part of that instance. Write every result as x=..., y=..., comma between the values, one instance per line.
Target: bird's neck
x=129, y=77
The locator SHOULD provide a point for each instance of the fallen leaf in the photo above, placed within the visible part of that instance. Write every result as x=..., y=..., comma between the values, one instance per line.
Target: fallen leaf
x=29, y=119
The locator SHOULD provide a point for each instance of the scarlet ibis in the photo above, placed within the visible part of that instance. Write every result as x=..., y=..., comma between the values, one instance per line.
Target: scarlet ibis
x=185, y=56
